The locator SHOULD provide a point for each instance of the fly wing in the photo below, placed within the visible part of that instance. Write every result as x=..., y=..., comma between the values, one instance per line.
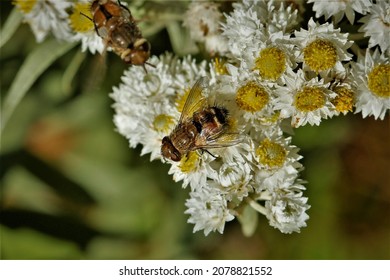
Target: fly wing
x=195, y=100
x=221, y=140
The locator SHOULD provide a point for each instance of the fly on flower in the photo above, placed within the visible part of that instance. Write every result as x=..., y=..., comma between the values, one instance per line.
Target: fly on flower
x=200, y=127
x=116, y=26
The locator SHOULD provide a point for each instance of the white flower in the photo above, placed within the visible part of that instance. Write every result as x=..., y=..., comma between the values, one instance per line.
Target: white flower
x=377, y=25
x=321, y=47
x=47, y=16
x=193, y=169
x=286, y=210
x=277, y=160
x=269, y=59
x=243, y=26
x=203, y=21
x=248, y=99
x=344, y=85
x=305, y=101
x=233, y=179
x=372, y=76
x=275, y=152
x=230, y=173
x=266, y=180
x=253, y=21
x=208, y=210
x=90, y=41
x=281, y=18
x=83, y=27
x=338, y=8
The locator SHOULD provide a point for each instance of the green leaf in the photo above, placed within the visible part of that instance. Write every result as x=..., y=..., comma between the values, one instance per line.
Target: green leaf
x=35, y=64
x=29, y=244
x=248, y=220
x=71, y=71
x=10, y=26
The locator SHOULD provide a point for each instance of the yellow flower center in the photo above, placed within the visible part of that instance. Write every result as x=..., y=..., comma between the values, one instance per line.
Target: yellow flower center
x=163, y=123
x=271, y=153
x=309, y=99
x=24, y=6
x=344, y=100
x=252, y=97
x=80, y=19
x=272, y=118
x=219, y=65
x=271, y=63
x=189, y=162
x=379, y=80
x=320, y=55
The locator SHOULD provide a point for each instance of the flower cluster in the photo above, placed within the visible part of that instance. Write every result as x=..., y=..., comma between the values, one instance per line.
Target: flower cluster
x=67, y=20
x=274, y=77
x=274, y=73
x=264, y=167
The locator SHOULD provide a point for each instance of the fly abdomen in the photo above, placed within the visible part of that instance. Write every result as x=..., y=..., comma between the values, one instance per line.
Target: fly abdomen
x=197, y=125
x=220, y=113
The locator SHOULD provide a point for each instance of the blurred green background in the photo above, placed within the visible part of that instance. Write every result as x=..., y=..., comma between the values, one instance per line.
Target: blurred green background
x=72, y=189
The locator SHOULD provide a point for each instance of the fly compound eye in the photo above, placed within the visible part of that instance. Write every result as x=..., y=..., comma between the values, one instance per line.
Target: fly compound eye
x=175, y=155
x=169, y=151
x=145, y=47
x=142, y=45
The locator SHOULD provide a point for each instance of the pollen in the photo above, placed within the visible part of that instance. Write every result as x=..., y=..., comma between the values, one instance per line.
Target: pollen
x=81, y=18
x=271, y=63
x=189, y=162
x=309, y=99
x=320, y=55
x=379, y=80
x=271, y=154
x=181, y=100
x=252, y=97
x=24, y=6
x=273, y=118
x=219, y=65
x=345, y=99
x=163, y=123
